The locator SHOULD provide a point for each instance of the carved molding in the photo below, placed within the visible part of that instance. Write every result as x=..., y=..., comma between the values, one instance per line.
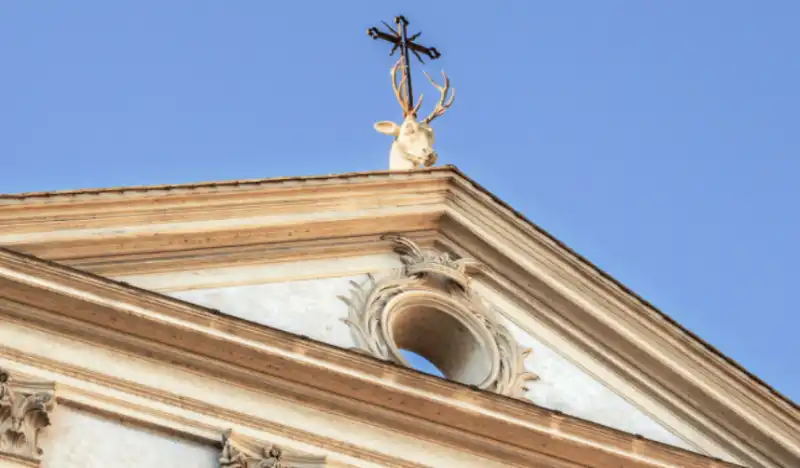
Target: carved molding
x=25, y=408
x=438, y=283
x=287, y=369
x=728, y=400
x=240, y=452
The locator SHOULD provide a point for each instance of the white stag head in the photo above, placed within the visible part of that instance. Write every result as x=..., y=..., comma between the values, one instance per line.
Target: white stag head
x=413, y=141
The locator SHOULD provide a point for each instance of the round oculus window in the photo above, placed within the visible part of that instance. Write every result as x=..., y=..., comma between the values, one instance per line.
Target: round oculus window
x=442, y=331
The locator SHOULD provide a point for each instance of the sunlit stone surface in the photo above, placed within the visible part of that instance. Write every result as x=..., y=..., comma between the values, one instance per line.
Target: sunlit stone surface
x=311, y=308
x=77, y=439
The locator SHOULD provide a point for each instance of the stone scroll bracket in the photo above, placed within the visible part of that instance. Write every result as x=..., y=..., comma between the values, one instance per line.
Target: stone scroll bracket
x=25, y=409
x=243, y=452
x=428, y=307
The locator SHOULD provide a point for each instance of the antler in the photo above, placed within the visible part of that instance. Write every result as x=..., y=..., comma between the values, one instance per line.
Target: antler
x=441, y=106
x=402, y=93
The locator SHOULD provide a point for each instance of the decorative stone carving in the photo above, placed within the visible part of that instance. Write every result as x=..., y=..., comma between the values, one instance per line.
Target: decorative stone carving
x=428, y=307
x=239, y=452
x=413, y=140
x=25, y=408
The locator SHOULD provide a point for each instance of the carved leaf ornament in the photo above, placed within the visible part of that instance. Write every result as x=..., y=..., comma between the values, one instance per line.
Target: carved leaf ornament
x=25, y=409
x=238, y=452
x=429, y=305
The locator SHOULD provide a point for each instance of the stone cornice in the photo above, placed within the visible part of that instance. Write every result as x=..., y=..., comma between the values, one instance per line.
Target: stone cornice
x=81, y=304
x=172, y=227
x=232, y=185
x=99, y=393
x=688, y=375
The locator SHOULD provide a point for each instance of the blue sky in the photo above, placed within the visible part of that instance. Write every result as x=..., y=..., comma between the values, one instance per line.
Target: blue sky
x=658, y=139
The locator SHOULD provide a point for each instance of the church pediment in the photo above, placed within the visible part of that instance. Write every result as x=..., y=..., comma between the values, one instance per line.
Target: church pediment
x=273, y=252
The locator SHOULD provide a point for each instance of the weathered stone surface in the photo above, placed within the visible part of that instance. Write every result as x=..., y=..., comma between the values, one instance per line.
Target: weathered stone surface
x=239, y=452
x=83, y=440
x=567, y=388
x=307, y=308
x=25, y=408
x=310, y=308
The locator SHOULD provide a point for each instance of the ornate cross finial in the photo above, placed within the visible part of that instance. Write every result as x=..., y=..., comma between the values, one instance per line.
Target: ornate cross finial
x=401, y=41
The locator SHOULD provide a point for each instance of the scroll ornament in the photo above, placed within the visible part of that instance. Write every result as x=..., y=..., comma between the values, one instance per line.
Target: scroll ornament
x=240, y=453
x=25, y=408
x=370, y=308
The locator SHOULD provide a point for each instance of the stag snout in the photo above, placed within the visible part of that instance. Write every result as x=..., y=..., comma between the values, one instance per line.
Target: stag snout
x=422, y=157
x=427, y=152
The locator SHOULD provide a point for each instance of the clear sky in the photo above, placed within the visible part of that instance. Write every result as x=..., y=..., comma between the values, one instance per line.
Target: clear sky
x=658, y=139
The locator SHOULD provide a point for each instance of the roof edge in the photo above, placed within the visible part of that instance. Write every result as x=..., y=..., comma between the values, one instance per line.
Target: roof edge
x=642, y=301
x=221, y=184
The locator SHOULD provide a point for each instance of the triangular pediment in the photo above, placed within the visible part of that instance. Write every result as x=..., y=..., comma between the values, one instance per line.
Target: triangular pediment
x=281, y=252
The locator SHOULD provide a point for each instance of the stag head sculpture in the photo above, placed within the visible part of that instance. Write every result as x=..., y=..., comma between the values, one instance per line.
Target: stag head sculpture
x=413, y=140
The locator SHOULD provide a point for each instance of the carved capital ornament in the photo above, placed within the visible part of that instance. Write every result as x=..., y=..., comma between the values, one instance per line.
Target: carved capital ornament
x=429, y=307
x=240, y=452
x=25, y=408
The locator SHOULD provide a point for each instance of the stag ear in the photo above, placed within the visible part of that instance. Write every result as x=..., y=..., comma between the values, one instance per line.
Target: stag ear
x=387, y=128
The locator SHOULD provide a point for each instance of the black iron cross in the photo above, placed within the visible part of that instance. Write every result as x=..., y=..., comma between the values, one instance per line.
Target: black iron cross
x=401, y=41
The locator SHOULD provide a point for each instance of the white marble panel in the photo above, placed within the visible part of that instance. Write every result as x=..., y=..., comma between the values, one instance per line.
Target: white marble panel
x=565, y=387
x=77, y=439
x=309, y=308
